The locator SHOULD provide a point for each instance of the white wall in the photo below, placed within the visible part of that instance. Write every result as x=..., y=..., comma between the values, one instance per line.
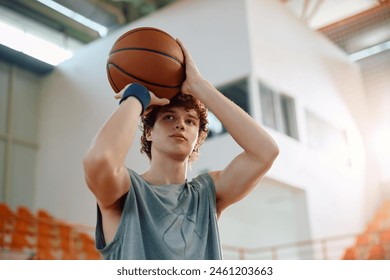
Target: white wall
x=376, y=72
x=303, y=64
x=77, y=99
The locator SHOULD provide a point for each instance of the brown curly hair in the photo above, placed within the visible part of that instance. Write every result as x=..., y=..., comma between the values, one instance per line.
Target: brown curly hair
x=188, y=102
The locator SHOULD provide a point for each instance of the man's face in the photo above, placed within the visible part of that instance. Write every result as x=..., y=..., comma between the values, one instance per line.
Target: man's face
x=175, y=132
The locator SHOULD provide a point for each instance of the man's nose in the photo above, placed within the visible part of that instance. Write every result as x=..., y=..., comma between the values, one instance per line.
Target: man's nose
x=180, y=124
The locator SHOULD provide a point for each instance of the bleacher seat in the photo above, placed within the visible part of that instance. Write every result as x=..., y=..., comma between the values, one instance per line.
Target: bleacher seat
x=374, y=243
x=41, y=236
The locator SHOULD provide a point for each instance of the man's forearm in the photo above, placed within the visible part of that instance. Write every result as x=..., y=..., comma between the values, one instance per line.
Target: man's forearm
x=242, y=127
x=115, y=138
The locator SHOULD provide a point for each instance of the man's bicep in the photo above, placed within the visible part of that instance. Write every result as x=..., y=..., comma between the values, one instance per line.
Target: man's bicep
x=237, y=180
x=108, y=188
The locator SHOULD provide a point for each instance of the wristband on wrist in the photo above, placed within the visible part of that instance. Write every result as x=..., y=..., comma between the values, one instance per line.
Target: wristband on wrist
x=138, y=91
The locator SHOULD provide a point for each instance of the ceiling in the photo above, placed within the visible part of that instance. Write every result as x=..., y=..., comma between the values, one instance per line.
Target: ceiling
x=361, y=31
x=322, y=15
x=109, y=13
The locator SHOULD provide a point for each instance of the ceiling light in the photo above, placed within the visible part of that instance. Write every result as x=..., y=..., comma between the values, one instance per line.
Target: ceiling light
x=102, y=30
x=27, y=43
x=370, y=51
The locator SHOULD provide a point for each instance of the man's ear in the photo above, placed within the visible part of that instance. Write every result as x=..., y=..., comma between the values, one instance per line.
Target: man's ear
x=196, y=147
x=149, y=135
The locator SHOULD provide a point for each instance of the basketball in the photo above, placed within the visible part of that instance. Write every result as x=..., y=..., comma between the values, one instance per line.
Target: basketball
x=148, y=56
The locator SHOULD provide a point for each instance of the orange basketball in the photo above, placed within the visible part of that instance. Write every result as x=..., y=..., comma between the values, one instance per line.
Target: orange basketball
x=147, y=56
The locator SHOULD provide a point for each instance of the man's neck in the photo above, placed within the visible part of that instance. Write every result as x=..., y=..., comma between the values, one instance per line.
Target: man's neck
x=167, y=171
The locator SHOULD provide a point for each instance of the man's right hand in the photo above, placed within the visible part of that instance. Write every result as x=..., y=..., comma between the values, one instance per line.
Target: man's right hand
x=154, y=100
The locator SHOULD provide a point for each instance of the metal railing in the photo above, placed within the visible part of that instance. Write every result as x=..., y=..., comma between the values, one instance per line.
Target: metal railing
x=330, y=248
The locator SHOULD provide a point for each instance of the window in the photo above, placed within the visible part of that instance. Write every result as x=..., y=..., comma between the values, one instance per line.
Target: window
x=238, y=93
x=267, y=97
x=278, y=111
x=288, y=114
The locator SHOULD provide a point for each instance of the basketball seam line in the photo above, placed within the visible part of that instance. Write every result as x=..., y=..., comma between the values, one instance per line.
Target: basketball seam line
x=135, y=77
x=112, y=82
x=146, y=49
x=151, y=29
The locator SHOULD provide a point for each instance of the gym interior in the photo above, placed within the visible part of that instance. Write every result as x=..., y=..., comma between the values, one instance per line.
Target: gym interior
x=314, y=74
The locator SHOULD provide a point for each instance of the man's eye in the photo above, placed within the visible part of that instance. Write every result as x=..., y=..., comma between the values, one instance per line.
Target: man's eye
x=168, y=117
x=191, y=122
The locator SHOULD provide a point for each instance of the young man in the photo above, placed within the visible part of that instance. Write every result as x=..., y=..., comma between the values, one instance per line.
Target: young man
x=159, y=214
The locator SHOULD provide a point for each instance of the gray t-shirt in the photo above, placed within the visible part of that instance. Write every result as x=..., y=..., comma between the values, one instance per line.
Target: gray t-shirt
x=165, y=222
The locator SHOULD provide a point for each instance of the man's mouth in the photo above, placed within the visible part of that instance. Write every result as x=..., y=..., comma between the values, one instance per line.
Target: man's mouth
x=178, y=136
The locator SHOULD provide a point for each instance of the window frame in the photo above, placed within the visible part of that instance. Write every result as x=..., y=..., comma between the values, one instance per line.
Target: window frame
x=285, y=120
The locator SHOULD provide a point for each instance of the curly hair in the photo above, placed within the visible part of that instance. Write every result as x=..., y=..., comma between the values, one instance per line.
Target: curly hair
x=188, y=102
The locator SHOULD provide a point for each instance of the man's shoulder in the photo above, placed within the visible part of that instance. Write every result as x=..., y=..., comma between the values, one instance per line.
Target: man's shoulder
x=203, y=180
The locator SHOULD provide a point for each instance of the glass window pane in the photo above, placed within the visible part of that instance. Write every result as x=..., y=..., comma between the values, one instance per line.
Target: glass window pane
x=267, y=100
x=215, y=126
x=287, y=106
x=236, y=92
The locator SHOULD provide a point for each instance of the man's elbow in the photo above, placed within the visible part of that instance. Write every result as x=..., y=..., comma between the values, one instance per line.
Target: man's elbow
x=275, y=152
x=271, y=154
x=90, y=161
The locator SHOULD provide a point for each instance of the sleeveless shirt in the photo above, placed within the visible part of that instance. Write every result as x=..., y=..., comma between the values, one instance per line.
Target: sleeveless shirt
x=165, y=222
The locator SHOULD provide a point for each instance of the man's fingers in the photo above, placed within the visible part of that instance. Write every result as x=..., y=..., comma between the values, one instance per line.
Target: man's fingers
x=162, y=101
x=184, y=49
x=147, y=111
x=155, y=100
x=120, y=94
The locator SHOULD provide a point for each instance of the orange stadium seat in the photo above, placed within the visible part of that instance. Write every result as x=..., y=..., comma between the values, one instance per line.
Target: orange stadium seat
x=20, y=241
x=43, y=214
x=350, y=254
x=42, y=237
x=44, y=254
x=385, y=236
x=377, y=252
x=25, y=220
x=6, y=217
x=364, y=239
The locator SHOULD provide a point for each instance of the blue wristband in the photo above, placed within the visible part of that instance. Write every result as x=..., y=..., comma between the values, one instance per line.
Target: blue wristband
x=138, y=91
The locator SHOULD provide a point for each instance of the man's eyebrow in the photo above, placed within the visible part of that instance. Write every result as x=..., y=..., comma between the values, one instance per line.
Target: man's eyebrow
x=193, y=116
x=173, y=111
x=168, y=111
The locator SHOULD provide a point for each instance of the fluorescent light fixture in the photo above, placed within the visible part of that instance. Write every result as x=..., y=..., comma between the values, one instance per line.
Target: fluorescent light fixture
x=370, y=51
x=102, y=30
x=31, y=45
